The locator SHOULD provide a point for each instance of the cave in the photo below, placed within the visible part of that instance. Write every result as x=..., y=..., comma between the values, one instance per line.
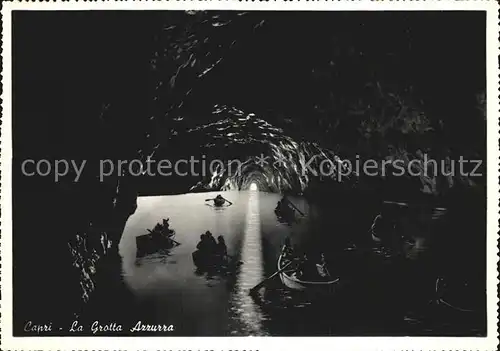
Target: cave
x=258, y=103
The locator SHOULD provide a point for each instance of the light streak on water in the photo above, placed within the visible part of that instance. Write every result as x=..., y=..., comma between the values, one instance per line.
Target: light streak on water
x=247, y=312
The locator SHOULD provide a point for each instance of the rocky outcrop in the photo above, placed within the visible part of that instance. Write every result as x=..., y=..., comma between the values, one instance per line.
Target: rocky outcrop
x=97, y=240
x=245, y=148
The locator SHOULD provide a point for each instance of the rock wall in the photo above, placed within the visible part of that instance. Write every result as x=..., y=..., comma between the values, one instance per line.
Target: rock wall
x=100, y=239
x=61, y=236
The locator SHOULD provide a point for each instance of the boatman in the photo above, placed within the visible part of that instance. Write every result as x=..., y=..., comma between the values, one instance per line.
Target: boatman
x=207, y=244
x=322, y=267
x=221, y=248
x=219, y=201
x=286, y=202
x=287, y=250
x=306, y=269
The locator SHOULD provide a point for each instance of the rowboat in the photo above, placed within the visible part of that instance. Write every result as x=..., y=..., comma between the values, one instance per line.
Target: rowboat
x=445, y=295
x=214, y=263
x=219, y=202
x=283, y=211
x=289, y=279
x=285, y=214
x=154, y=241
x=203, y=260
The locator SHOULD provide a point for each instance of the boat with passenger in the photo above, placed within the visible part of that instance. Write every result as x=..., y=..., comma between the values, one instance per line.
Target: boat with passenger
x=160, y=238
x=290, y=278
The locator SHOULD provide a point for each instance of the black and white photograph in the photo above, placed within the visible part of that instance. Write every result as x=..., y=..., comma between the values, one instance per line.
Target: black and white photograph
x=193, y=172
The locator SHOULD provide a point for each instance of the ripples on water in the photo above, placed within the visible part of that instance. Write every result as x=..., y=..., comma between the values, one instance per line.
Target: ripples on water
x=243, y=308
x=202, y=304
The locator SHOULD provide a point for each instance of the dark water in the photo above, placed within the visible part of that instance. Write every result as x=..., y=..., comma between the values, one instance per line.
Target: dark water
x=167, y=289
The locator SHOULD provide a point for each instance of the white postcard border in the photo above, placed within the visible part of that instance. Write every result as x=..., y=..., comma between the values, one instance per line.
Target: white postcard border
x=8, y=342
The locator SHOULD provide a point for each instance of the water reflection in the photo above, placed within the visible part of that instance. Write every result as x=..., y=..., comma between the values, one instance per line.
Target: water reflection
x=217, y=302
x=246, y=311
x=156, y=258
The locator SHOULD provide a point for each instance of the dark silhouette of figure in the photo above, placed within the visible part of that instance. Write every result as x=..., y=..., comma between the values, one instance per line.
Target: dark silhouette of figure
x=202, y=245
x=210, y=253
x=287, y=250
x=306, y=269
x=158, y=228
x=322, y=267
x=166, y=228
x=207, y=244
x=211, y=243
x=284, y=204
x=165, y=223
x=220, y=201
x=221, y=248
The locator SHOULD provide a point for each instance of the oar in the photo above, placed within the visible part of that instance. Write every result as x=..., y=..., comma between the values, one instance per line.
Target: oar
x=261, y=284
x=178, y=243
x=295, y=207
